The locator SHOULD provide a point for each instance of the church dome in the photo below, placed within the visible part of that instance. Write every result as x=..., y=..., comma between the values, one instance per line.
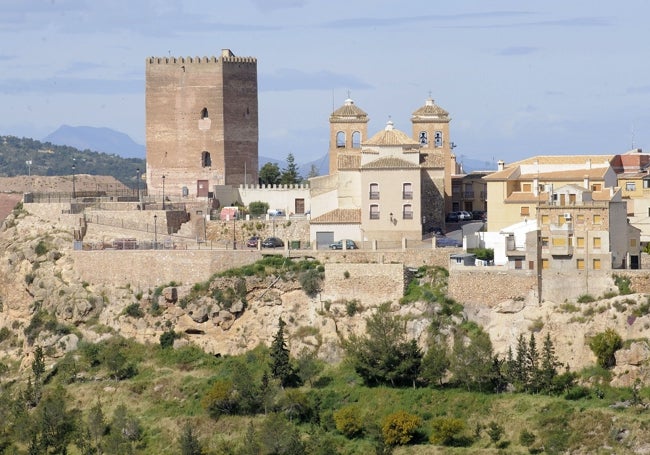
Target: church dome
x=391, y=136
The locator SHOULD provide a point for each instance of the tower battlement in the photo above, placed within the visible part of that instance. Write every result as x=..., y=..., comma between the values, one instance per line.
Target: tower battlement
x=198, y=60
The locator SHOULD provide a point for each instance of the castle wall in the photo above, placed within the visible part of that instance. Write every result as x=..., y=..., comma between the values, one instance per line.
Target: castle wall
x=490, y=285
x=369, y=285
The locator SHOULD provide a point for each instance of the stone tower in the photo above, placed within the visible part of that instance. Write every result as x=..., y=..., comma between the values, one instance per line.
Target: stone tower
x=431, y=130
x=348, y=127
x=201, y=123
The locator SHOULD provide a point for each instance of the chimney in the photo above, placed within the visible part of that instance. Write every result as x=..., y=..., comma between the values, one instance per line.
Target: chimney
x=501, y=165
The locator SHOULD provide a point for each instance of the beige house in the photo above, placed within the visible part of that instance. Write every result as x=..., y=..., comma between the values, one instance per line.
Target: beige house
x=516, y=191
x=385, y=188
x=469, y=191
x=633, y=179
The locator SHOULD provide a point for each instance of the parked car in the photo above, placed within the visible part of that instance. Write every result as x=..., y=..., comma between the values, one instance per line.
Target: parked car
x=452, y=217
x=272, y=242
x=349, y=245
x=448, y=241
x=252, y=242
x=464, y=216
x=480, y=215
x=276, y=212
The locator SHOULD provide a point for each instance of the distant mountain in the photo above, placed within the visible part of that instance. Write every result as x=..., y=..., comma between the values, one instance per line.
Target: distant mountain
x=104, y=140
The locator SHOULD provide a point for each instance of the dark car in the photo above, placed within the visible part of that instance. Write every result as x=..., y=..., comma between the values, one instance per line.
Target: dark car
x=272, y=242
x=448, y=241
x=252, y=242
x=479, y=215
x=452, y=217
x=349, y=245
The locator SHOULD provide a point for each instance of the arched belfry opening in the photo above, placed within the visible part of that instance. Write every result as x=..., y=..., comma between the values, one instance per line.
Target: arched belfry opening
x=204, y=113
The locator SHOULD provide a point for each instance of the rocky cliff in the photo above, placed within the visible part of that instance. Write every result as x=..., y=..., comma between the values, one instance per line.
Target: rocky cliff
x=45, y=302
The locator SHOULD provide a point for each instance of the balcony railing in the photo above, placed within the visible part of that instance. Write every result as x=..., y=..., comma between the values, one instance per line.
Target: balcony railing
x=374, y=215
x=374, y=195
x=407, y=194
x=407, y=215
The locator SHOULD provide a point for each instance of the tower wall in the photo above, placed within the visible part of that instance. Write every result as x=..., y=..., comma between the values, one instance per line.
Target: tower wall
x=198, y=105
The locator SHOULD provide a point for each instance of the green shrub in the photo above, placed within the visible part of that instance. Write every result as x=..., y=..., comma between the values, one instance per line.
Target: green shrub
x=167, y=339
x=526, y=438
x=604, y=345
x=41, y=248
x=352, y=307
x=586, y=298
x=399, y=428
x=577, y=392
x=623, y=284
x=134, y=311
x=447, y=431
x=258, y=208
x=310, y=280
x=348, y=421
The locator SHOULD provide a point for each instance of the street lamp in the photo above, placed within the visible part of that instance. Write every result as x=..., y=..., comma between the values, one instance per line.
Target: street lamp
x=163, y=177
x=29, y=167
x=137, y=182
x=155, y=232
x=74, y=192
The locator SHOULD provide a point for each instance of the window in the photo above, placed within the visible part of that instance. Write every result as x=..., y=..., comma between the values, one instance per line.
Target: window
x=374, y=212
x=206, y=161
x=438, y=138
x=559, y=241
x=356, y=139
x=525, y=187
x=407, y=191
x=596, y=242
x=581, y=242
x=596, y=187
x=340, y=139
x=580, y=264
x=560, y=219
x=407, y=212
x=423, y=137
x=544, y=219
x=632, y=243
x=544, y=242
x=630, y=186
x=580, y=219
x=596, y=264
x=597, y=219
x=374, y=191
x=545, y=264
x=525, y=211
x=204, y=113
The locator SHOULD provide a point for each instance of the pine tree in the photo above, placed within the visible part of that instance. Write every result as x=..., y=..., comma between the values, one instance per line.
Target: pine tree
x=549, y=365
x=520, y=364
x=532, y=365
x=290, y=174
x=281, y=368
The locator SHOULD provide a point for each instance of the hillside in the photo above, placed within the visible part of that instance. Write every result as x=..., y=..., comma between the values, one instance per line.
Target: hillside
x=103, y=140
x=47, y=159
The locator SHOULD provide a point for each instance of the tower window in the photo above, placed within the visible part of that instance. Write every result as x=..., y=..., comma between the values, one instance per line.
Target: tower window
x=204, y=113
x=206, y=161
x=438, y=139
x=374, y=212
x=407, y=191
x=423, y=138
x=356, y=139
x=340, y=139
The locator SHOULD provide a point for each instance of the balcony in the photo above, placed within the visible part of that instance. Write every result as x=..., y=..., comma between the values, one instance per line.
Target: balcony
x=407, y=215
x=407, y=194
x=374, y=195
x=374, y=215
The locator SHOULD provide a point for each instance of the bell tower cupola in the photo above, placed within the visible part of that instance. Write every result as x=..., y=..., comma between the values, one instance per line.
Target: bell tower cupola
x=348, y=128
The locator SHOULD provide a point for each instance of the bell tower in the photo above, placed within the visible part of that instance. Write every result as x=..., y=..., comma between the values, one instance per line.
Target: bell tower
x=348, y=128
x=431, y=130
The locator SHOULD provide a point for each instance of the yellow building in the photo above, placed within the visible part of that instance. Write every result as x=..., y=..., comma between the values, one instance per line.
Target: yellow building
x=515, y=191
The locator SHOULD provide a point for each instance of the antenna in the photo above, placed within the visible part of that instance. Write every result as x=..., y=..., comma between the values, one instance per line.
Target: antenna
x=632, y=136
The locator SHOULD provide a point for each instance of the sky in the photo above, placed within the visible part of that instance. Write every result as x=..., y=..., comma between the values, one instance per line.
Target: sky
x=518, y=78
